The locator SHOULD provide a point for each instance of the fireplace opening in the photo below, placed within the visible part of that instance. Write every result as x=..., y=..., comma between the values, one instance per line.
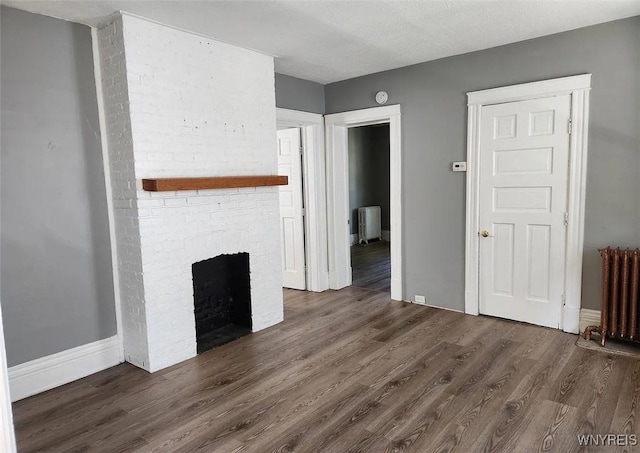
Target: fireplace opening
x=222, y=299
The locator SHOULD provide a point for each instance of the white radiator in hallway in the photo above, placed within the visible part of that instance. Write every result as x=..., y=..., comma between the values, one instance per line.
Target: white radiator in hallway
x=369, y=224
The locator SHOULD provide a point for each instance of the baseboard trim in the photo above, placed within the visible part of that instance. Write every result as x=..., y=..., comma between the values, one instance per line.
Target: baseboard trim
x=433, y=306
x=570, y=321
x=386, y=237
x=589, y=318
x=43, y=374
x=443, y=308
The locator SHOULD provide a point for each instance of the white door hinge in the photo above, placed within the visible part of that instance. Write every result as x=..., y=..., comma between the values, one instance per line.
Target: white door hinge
x=564, y=299
x=570, y=125
x=303, y=212
x=566, y=219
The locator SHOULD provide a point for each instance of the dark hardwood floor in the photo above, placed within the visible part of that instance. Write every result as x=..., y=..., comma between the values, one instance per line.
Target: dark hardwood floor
x=351, y=371
x=371, y=266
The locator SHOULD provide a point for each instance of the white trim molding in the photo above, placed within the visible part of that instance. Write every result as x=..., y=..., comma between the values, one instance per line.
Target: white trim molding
x=589, y=318
x=293, y=118
x=314, y=193
x=578, y=87
x=386, y=237
x=63, y=367
x=532, y=90
x=7, y=434
x=336, y=128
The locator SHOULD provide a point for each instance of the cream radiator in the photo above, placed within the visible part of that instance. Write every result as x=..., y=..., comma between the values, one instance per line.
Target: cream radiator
x=369, y=224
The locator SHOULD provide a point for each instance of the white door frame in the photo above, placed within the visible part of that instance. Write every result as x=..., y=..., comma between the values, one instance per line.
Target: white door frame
x=336, y=126
x=314, y=193
x=578, y=87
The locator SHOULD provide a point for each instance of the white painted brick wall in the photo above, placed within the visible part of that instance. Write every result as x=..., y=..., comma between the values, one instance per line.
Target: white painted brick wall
x=121, y=163
x=197, y=107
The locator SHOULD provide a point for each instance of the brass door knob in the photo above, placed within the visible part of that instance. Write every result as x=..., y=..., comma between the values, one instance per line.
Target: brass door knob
x=484, y=234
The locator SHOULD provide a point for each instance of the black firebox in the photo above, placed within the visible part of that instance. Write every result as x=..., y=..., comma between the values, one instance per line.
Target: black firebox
x=222, y=297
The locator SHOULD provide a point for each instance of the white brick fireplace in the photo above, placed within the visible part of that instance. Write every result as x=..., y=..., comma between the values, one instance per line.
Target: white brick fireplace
x=181, y=105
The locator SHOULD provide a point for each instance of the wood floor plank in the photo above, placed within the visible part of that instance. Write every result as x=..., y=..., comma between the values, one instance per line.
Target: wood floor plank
x=472, y=328
x=371, y=266
x=312, y=383
x=534, y=341
x=427, y=388
x=627, y=407
x=468, y=420
x=552, y=428
x=496, y=355
x=424, y=426
x=198, y=395
x=512, y=420
x=596, y=409
x=472, y=396
x=517, y=406
x=431, y=387
x=299, y=436
x=350, y=371
x=466, y=378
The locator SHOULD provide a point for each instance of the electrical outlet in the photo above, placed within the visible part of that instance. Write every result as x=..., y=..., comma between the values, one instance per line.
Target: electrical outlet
x=459, y=166
x=419, y=299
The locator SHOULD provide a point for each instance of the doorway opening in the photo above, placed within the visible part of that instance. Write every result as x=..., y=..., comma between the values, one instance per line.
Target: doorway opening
x=369, y=206
x=311, y=133
x=292, y=228
x=338, y=209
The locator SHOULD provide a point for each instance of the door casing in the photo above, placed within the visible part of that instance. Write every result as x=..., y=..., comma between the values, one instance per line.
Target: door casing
x=336, y=126
x=314, y=193
x=578, y=87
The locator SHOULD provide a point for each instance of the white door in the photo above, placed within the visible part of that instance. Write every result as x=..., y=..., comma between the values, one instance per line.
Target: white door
x=291, y=209
x=524, y=164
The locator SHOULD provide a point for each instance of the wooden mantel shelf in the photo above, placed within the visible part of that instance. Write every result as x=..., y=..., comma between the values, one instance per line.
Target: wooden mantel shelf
x=221, y=182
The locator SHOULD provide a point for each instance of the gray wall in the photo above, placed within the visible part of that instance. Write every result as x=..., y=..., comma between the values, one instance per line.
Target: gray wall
x=433, y=102
x=299, y=94
x=57, y=288
x=369, y=160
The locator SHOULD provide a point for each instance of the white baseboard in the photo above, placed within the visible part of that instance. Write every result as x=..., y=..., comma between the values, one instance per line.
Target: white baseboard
x=43, y=374
x=589, y=318
x=386, y=236
x=444, y=308
x=433, y=306
x=570, y=319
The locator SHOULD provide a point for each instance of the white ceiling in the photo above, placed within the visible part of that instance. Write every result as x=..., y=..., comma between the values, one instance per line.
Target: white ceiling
x=328, y=41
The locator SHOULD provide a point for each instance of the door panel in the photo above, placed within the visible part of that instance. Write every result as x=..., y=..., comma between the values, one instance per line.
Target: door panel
x=291, y=210
x=503, y=248
x=524, y=155
x=538, y=257
x=523, y=161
